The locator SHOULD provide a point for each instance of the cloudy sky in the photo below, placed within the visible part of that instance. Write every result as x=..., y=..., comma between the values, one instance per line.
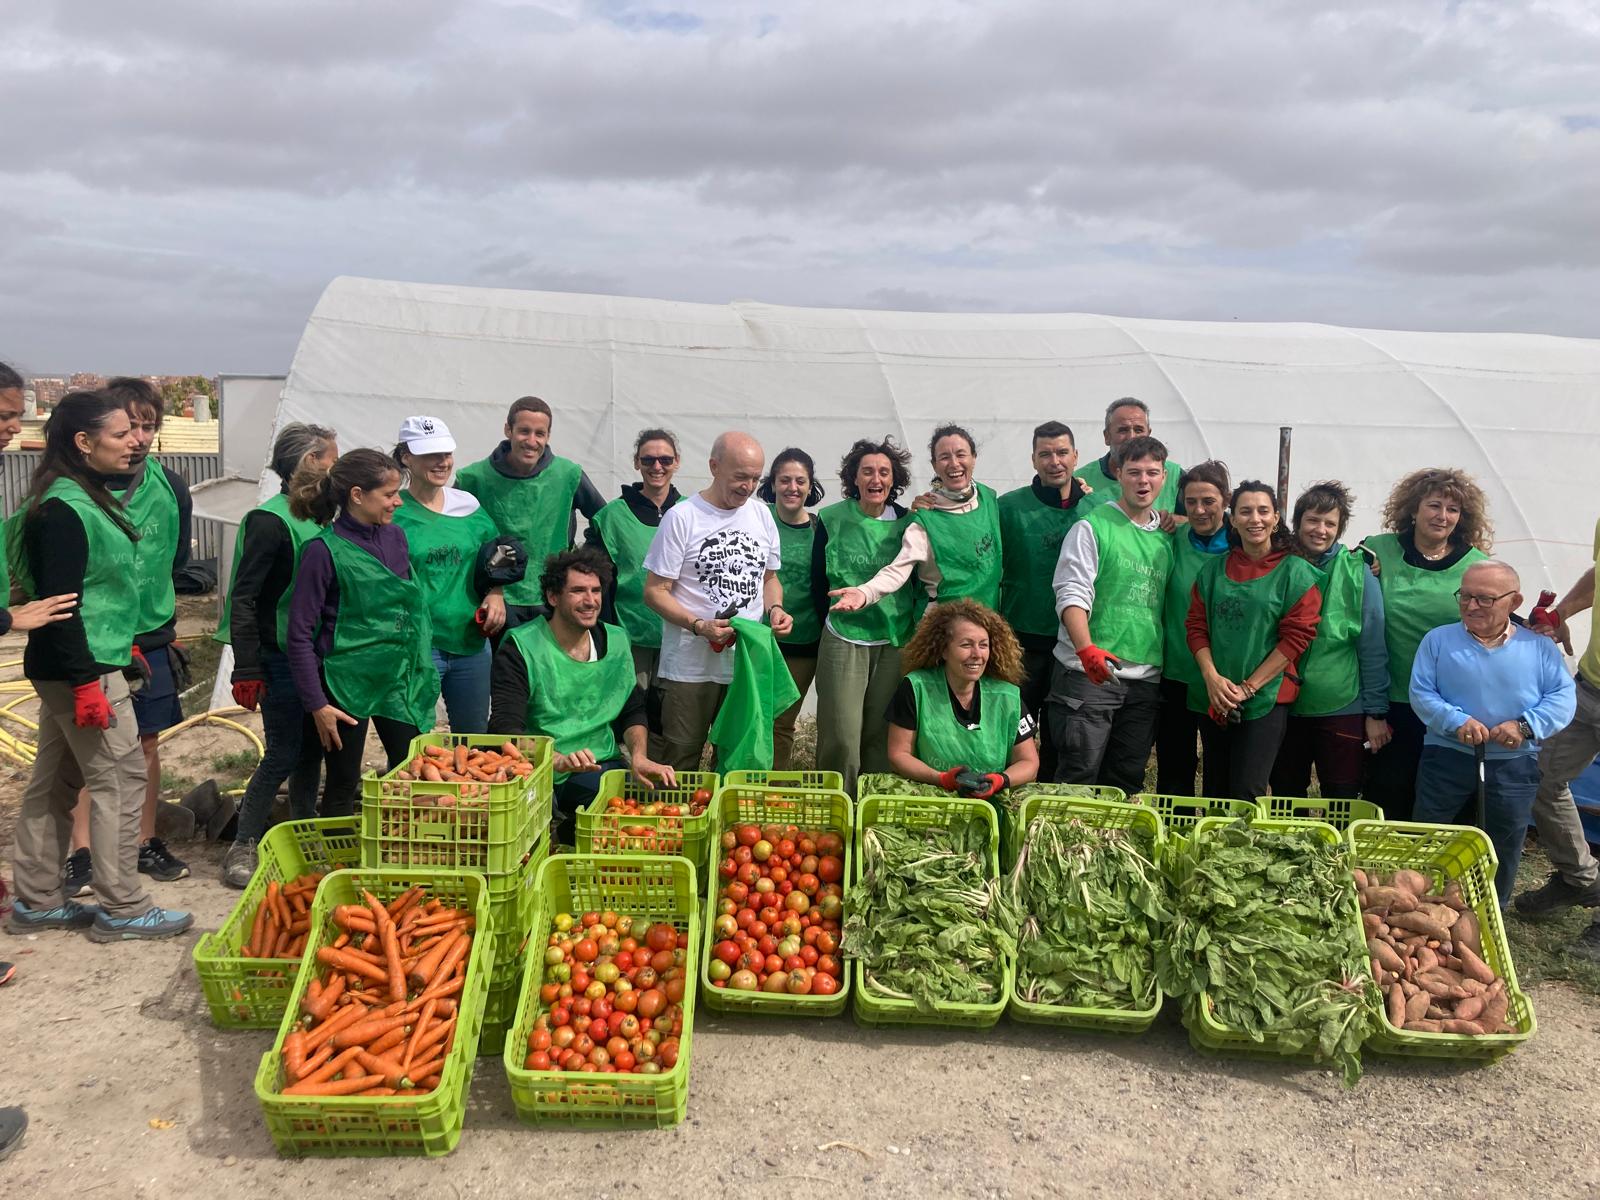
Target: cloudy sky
x=178, y=181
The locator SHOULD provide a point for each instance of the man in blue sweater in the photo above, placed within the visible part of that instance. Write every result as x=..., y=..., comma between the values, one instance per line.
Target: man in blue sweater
x=1487, y=682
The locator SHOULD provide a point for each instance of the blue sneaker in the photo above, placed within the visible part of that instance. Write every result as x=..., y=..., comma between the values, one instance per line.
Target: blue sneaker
x=148, y=925
x=68, y=915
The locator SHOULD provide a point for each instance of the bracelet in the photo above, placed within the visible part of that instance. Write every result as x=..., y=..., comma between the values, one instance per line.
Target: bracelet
x=1248, y=688
x=773, y=609
x=694, y=627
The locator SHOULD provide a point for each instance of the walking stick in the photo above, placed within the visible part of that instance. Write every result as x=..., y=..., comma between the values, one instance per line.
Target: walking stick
x=1480, y=752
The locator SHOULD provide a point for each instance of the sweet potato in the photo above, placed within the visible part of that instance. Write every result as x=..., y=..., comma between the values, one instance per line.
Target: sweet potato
x=1468, y=1009
x=1442, y=913
x=1414, y=882
x=1372, y=923
x=1421, y=923
x=1423, y=1026
x=1474, y=967
x=1452, y=1025
x=1388, y=900
x=1396, y=1007
x=1416, y=1008
x=1495, y=1006
x=1386, y=956
x=1467, y=932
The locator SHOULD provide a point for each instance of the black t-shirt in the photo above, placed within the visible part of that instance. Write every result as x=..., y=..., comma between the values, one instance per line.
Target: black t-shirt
x=1413, y=557
x=902, y=711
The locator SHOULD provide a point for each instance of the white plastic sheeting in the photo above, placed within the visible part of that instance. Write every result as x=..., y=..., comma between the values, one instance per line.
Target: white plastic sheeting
x=1521, y=412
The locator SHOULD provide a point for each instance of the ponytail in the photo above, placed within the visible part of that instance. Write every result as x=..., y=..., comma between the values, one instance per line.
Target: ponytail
x=318, y=495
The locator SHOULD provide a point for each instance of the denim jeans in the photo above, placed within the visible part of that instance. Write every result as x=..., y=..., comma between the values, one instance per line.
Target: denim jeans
x=464, y=684
x=1447, y=788
x=574, y=793
x=292, y=752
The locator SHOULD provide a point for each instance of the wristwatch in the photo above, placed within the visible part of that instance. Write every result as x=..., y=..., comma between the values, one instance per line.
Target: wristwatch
x=1525, y=729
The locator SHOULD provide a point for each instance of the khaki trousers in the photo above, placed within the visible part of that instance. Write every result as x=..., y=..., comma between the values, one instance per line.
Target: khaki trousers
x=687, y=711
x=110, y=763
x=1563, y=757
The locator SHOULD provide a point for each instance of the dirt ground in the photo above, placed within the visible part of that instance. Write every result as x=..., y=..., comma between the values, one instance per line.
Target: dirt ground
x=132, y=1092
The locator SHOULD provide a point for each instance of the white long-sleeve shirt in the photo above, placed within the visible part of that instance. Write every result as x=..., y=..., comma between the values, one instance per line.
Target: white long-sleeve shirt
x=1077, y=568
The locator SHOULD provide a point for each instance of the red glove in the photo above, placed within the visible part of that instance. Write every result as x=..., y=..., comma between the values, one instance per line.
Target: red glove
x=1095, y=663
x=1544, y=613
x=247, y=693
x=140, y=666
x=947, y=779
x=90, y=708
x=995, y=781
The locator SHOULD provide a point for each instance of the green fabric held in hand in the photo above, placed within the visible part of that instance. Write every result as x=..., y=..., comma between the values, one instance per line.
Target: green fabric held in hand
x=761, y=688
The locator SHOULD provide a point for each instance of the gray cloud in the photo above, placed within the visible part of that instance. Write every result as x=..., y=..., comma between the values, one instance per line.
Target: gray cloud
x=1370, y=163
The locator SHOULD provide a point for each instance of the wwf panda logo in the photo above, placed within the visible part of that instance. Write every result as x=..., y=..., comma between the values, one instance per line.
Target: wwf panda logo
x=427, y=425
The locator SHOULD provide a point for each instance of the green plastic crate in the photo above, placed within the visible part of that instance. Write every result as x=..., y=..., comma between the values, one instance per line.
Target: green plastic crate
x=252, y=993
x=826, y=781
x=1099, y=814
x=1206, y=1033
x=1012, y=825
x=871, y=783
x=643, y=886
x=1464, y=854
x=1180, y=814
x=600, y=832
x=499, y=1010
x=512, y=899
x=1338, y=813
x=489, y=833
x=925, y=812
x=757, y=804
x=331, y=1126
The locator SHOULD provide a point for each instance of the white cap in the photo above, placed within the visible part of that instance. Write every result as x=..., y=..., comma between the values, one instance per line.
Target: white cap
x=426, y=435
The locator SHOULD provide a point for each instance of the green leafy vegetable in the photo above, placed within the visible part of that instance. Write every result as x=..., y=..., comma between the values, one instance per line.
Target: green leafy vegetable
x=921, y=919
x=1265, y=933
x=1087, y=906
x=884, y=783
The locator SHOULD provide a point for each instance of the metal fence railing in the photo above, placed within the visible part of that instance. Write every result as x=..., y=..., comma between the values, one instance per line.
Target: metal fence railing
x=16, y=472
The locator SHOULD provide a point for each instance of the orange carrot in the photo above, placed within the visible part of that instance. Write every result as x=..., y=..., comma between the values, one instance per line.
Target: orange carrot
x=347, y=1015
x=368, y=1029
x=437, y=751
x=352, y=962
x=257, y=932
x=448, y=988
x=391, y=949
x=425, y=970
x=509, y=749
x=399, y=905
x=440, y=1031
x=294, y=1054
x=426, y=1070
x=342, y=1087
x=461, y=759
x=378, y=1091
x=332, y=1067
x=422, y=1028
x=431, y=773
x=395, y=1037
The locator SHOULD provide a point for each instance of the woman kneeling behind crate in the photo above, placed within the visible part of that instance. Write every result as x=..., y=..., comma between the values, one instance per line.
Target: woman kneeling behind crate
x=569, y=676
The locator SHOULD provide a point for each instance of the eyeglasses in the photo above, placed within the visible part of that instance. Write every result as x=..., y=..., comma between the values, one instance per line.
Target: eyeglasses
x=1471, y=601
x=657, y=460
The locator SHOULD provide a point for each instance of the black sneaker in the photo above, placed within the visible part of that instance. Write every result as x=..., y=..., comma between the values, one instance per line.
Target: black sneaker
x=156, y=861
x=79, y=875
x=13, y=1125
x=1557, y=893
x=1588, y=944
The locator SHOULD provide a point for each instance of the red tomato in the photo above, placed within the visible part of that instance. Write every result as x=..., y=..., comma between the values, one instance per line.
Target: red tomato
x=651, y=1003
x=549, y=992
x=808, y=955
x=799, y=983
x=737, y=892
x=746, y=918
x=793, y=963
x=830, y=869
x=727, y=868
x=539, y=1039
x=806, y=844
x=675, y=989
x=773, y=963
x=785, y=848
x=823, y=985
x=626, y=1002
x=727, y=952
x=830, y=843
x=828, y=965
x=539, y=1060
x=667, y=1054
x=560, y=1016
x=767, y=945
x=826, y=943
x=661, y=936
x=742, y=856
x=748, y=835
x=662, y=960
x=623, y=1061
x=586, y=950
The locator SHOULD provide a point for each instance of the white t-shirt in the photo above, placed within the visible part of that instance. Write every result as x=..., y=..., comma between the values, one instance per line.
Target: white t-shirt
x=718, y=557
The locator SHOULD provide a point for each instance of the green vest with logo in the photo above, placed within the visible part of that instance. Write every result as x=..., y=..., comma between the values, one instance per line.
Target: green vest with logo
x=300, y=532
x=444, y=552
x=627, y=540
x=1330, y=669
x=1414, y=602
x=1130, y=587
x=858, y=548
x=966, y=549
x=537, y=510
x=152, y=509
x=794, y=576
x=379, y=664
x=1243, y=622
x=943, y=742
x=1030, y=544
x=575, y=702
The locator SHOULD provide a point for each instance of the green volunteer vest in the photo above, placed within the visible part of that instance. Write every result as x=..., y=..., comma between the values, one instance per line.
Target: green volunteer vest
x=858, y=548
x=1030, y=544
x=110, y=599
x=1243, y=620
x=1129, y=587
x=536, y=510
x=1330, y=669
x=1106, y=489
x=300, y=532
x=627, y=540
x=760, y=689
x=966, y=548
x=379, y=665
x=942, y=742
x=570, y=701
x=444, y=551
x=1589, y=664
x=794, y=575
x=1177, y=663
x=1414, y=601
x=152, y=509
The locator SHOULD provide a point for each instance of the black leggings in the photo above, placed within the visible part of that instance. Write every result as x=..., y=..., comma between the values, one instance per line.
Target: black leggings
x=344, y=764
x=1392, y=773
x=1239, y=757
x=1176, y=753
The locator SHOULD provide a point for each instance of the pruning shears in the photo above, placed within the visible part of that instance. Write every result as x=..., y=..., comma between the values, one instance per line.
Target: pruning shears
x=726, y=614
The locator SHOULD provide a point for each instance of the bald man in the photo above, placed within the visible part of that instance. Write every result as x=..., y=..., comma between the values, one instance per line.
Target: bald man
x=1487, y=682
x=713, y=556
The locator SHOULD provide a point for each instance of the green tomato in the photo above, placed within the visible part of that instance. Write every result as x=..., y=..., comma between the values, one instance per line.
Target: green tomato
x=718, y=970
x=553, y=955
x=561, y=972
x=607, y=972
x=563, y=921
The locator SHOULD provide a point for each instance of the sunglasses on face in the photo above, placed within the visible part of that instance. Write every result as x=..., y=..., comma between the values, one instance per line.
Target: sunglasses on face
x=656, y=460
x=1469, y=600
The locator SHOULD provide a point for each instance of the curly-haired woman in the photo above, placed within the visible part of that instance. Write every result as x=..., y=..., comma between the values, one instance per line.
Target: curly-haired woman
x=959, y=709
x=1437, y=523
